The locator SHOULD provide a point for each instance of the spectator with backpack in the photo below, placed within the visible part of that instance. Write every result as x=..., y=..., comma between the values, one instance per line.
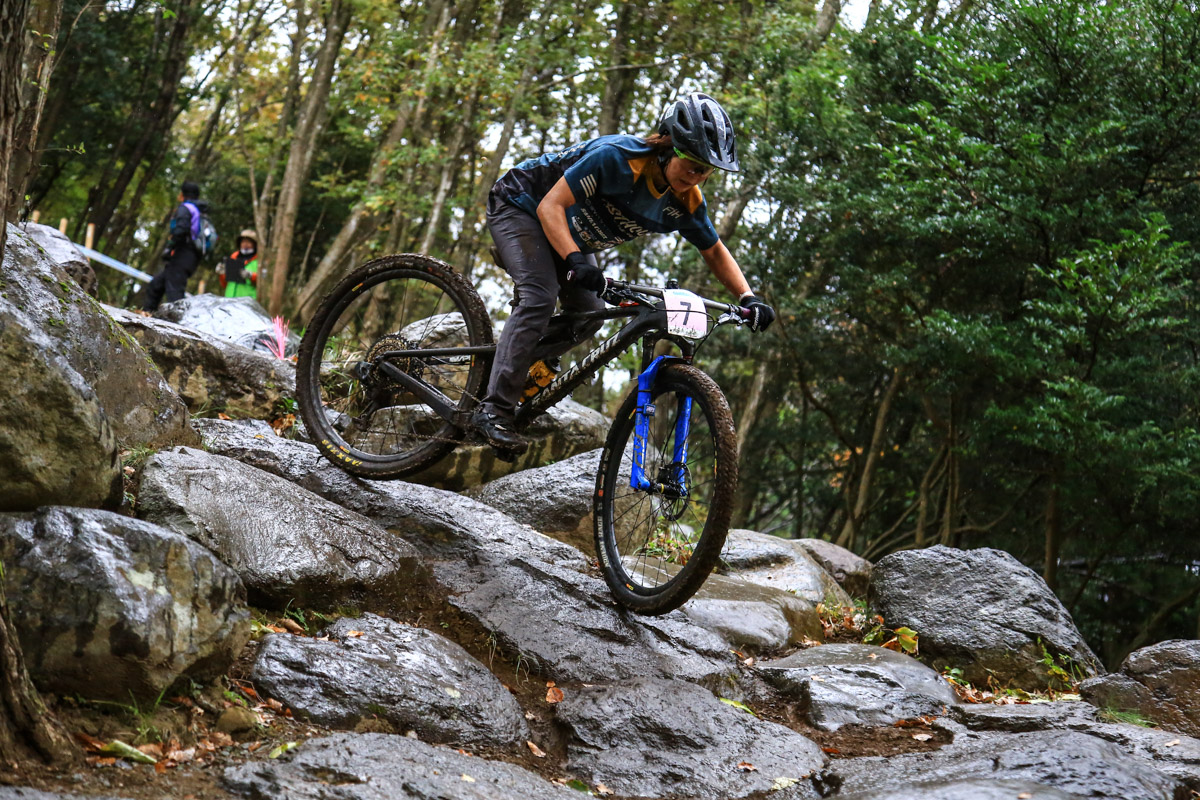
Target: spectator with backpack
x=239, y=272
x=191, y=237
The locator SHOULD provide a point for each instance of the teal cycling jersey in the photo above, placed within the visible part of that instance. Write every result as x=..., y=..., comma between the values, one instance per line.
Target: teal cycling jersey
x=613, y=180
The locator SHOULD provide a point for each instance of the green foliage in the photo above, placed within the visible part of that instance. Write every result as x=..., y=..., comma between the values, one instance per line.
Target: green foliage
x=1127, y=717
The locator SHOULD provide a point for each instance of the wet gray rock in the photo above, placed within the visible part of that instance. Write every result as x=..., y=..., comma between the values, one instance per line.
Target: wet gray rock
x=211, y=374
x=414, y=679
x=966, y=789
x=1070, y=762
x=566, y=430
x=19, y=793
x=655, y=738
x=531, y=593
x=287, y=544
x=1170, y=753
x=240, y=320
x=857, y=684
x=1160, y=682
x=852, y=572
x=97, y=594
x=751, y=617
x=556, y=500
x=141, y=407
x=979, y=610
x=377, y=766
x=56, y=442
x=60, y=251
x=781, y=564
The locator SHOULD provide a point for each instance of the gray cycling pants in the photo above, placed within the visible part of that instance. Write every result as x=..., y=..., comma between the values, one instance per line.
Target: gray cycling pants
x=540, y=278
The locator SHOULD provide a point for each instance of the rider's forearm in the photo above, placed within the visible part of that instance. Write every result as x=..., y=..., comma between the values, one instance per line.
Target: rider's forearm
x=725, y=269
x=552, y=213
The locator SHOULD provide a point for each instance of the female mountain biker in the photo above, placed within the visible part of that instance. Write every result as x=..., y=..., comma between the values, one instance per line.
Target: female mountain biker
x=549, y=215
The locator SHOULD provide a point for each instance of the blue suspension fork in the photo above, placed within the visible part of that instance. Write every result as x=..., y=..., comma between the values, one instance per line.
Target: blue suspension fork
x=641, y=433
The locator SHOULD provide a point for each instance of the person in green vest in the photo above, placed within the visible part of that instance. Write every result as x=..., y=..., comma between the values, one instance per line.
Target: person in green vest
x=239, y=272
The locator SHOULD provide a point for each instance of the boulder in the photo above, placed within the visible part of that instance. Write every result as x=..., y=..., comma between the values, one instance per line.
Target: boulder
x=857, y=684
x=1069, y=762
x=1160, y=682
x=555, y=500
x=19, y=793
x=410, y=677
x=211, y=374
x=782, y=564
x=1169, y=753
x=62, y=252
x=852, y=572
x=141, y=408
x=753, y=618
x=965, y=789
x=661, y=738
x=240, y=320
x=56, y=443
x=533, y=595
x=97, y=594
x=566, y=430
x=288, y=545
x=982, y=611
x=379, y=766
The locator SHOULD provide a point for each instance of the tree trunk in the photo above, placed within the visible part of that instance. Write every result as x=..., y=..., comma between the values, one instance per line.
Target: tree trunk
x=856, y=516
x=39, y=63
x=308, y=127
x=618, y=83
x=826, y=20
x=156, y=120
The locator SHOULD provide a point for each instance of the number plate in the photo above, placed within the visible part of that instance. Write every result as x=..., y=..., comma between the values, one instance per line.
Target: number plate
x=686, y=316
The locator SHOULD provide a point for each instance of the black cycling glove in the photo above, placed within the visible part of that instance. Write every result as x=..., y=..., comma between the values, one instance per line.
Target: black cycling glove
x=582, y=273
x=762, y=315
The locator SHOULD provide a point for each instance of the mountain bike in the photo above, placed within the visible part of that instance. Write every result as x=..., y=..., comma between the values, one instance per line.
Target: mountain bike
x=398, y=354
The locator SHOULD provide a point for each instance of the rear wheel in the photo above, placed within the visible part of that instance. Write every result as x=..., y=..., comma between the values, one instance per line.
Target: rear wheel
x=657, y=546
x=350, y=390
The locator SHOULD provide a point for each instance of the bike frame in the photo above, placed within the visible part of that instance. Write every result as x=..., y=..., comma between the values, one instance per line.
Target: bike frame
x=646, y=323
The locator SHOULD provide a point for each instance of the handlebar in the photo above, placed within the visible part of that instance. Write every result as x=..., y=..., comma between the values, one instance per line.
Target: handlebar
x=617, y=287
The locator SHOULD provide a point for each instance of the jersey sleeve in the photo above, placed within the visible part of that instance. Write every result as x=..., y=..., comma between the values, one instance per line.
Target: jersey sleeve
x=698, y=229
x=602, y=171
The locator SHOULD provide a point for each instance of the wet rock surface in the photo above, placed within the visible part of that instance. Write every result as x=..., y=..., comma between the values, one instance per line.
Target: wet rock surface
x=780, y=564
x=967, y=789
x=653, y=738
x=1000, y=628
x=556, y=499
x=211, y=374
x=139, y=404
x=93, y=593
x=412, y=678
x=288, y=545
x=1070, y=762
x=851, y=571
x=1160, y=682
x=376, y=766
x=857, y=684
x=240, y=320
x=752, y=617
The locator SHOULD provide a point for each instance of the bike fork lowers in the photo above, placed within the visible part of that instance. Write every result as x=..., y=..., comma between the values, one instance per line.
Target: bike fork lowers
x=641, y=433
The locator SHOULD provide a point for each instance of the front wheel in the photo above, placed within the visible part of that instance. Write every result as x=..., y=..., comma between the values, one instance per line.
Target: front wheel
x=657, y=545
x=393, y=324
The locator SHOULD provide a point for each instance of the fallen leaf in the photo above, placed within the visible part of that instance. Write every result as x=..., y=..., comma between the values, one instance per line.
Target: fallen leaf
x=355, y=634
x=1171, y=743
x=783, y=782
x=280, y=749
x=467, y=778
x=273, y=704
x=223, y=415
x=121, y=750
x=603, y=790
x=833, y=751
x=291, y=625
x=746, y=766
x=1024, y=796
x=554, y=695
x=537, y=751
x=155, y=751
x=90, y=743
x=221, y=739
x=161, y=766
x=922, y=737
x=101, y=761
x=254, y=746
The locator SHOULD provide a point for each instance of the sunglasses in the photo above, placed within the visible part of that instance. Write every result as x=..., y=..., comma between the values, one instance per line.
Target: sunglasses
x=702, y=171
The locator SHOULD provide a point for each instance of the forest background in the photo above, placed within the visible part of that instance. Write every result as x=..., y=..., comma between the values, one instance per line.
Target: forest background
x=976, y=219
